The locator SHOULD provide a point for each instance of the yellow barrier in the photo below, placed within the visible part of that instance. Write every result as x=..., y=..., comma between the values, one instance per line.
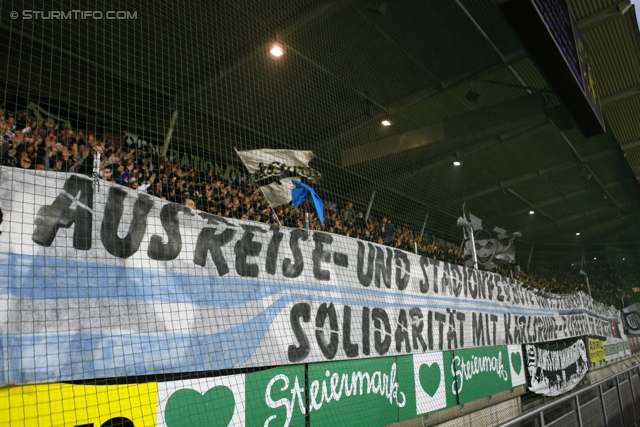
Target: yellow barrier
x=66, y=405
x=596, y=350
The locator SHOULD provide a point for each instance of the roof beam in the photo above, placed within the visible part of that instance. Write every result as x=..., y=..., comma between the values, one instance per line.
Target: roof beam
x=630, y=145
x=579, y=226
x=565, y=197
x=594, y=232
x=523, y=110
x=421, y=96
x=491, y=43
x=530, y=204
x=604, y=15
x=466, y=151
x=503, y=185
x=579, y=157
x=616, y=97
x=591, y=217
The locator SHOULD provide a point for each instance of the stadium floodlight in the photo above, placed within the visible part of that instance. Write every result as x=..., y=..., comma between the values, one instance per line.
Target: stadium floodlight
x=276, y=50
x=386, y=123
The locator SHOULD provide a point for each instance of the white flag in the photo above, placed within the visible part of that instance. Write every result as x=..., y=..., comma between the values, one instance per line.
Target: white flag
x=273, y=171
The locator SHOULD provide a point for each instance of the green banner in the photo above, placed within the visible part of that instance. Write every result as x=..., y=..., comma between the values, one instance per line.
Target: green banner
x=368, y=392
x=361, y=392
x=485, y=371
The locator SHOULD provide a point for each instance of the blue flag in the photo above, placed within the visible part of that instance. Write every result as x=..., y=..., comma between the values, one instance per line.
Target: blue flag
x=301, y=192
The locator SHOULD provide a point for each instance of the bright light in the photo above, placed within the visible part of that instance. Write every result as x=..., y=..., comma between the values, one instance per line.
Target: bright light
x=531, y=212
x=276, y=50
x=386, y=123
x=456, y=163
x=594, y=258
x=577, y=234
x=623, y=259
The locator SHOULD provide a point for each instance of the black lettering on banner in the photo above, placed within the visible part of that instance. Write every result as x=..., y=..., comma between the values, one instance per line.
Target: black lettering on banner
x=341, y=260
x=515, y=293
x=319, y=255
x=430, y=329
x=461, y=317
x=289, y=269
x=124, y=248
x=402, y=332
x=417, y=325
x=452, y=336
x=445, y=284
x=272, y=250
x=169, y=219
x=457, y=277
x=530, y=338
x=383, y=270
x=520, y=326
x=541, y=329
x=59, y=214
x=482, y=285
x=436, y=271
x=494, y=320
x=331, y=348
x=441, y=319
x=466, y=272
x=246, y=247
x=299, y=353
x=210, y=242
x=215, y=219
x=516, y=330
x=402, y=265
x=366, y=341
x=500, y=296
x=491, y=284
x=380, y=317
x=350, y=349
x=508, y=339
x=472, y=280
x=365, y=278
x=477, y=329
x=486, y=322
x=424, y=284
x=507, y=291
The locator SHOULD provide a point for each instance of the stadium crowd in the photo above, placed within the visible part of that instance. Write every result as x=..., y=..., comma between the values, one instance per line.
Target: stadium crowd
x=37, y=144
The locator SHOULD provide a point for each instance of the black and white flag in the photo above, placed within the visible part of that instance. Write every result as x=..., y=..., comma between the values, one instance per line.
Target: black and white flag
x=631, y=316
x=555, y=372
x=273, y=171
x=494, y=245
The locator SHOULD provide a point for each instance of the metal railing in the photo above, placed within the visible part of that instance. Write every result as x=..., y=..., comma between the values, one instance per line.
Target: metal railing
x=612, y=402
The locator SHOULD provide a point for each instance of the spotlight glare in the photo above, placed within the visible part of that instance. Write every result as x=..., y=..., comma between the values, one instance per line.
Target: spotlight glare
x=456, y=163
x=386, y=123
x=531, y=212
x=577, y=234
x=594, y=258
x=276, y=50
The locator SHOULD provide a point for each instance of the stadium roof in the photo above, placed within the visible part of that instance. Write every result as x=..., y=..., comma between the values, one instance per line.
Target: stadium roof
x=452, y=77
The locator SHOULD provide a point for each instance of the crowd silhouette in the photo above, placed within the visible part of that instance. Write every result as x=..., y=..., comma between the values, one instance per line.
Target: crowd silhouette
x=30, y=143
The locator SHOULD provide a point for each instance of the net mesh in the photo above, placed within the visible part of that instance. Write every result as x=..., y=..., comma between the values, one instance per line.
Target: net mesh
x=149, y=280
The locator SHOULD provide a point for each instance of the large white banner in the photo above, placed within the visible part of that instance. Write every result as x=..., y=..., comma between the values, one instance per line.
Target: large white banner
x=115, y=283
